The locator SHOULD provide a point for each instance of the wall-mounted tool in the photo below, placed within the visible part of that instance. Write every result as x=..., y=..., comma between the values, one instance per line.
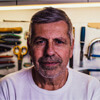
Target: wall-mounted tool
x=10, y=36
x=82, y=41
x=87, y=71
x=20, y=52
x=13, y=30
x=7, y=62
x=9, y=39
x=90, y=54
x=6, y=56
x=7, y=66
x=94, y=25
x=4, y=49
x=71, y=59
x=15, y=21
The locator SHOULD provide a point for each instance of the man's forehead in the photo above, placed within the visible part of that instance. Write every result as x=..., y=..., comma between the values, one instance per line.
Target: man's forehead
x=41, y=37
x=53, y=25
x=51, y=30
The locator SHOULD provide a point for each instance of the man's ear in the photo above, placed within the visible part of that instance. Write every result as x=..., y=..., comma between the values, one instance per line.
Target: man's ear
x=71, y=48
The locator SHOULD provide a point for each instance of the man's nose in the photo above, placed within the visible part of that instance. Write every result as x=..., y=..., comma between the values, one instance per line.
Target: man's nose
x=50, y=51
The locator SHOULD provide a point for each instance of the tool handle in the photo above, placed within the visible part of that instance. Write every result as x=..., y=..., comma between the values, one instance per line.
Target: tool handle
x=6, y=56
x=10, y=42
x=7, y=66
x=10, y=36
x=12, y=30
x=15, y=21
x=6, y=62
x=94, y=55
x=71, y=62
x=19, y=64
x=94, y=25
x=82, y=37
x=25, y=49
x=19, y=51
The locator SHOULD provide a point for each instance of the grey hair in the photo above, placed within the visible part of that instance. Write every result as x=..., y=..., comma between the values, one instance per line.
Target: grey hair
x=48, y=15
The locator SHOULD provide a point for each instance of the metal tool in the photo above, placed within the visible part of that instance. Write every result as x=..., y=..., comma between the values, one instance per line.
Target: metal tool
x=10, y=36
x=6, y=56
x=6, y=62
x=89, y=54
x=11, y=30
x=87, y=71
x=82, y=41
x=94, y=25
x=7, y=66
x=10, y=42
x=71, y=59
x=9, y=39
x=4, y=49
x=15, y=21
x=20, y=52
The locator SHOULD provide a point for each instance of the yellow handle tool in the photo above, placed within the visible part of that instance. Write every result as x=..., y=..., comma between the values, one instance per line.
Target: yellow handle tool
x=94, y=25
x=13, y=29
x=20, y=52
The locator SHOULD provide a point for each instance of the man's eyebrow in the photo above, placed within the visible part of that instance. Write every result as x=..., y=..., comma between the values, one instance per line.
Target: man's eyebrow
x=39, y=38
x=61, y=38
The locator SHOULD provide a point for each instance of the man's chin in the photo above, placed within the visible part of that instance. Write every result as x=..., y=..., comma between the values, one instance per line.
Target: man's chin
x=49, y=73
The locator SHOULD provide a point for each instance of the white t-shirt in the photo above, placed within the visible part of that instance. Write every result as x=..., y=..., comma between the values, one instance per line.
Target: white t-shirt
x=20, y=86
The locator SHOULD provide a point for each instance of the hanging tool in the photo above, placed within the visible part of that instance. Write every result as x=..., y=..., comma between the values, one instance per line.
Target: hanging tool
x=9, y=39
x=11, y=30
x=20, y=52
x=7, y=66
x=6, y=56
x=10, y=42
x=90, y=54
x=7, y=62
x=87, y=71
x=82, y=41
x=4, y=49
x=15, y=21
x=94, y=25
x=10, y=36
x=71, y=59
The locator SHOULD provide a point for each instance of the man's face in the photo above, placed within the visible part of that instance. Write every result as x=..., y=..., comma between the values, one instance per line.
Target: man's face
x=51, y=49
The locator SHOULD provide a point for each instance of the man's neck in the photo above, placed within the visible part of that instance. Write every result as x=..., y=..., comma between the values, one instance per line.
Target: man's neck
x=50, y=83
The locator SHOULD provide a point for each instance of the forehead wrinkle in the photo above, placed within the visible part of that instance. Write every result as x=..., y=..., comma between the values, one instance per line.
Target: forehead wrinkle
x=49, y=31
x=54, y=26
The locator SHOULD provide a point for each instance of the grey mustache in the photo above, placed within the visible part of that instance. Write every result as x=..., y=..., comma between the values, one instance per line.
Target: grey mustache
x=50, y=59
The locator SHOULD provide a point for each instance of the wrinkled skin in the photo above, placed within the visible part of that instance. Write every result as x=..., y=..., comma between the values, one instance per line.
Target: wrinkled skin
x=50, y=49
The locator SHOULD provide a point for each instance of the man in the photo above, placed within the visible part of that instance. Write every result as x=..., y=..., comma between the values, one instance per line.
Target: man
x=50, y=45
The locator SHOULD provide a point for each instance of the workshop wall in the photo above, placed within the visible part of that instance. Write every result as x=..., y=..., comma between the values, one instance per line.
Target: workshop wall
x=80, y=18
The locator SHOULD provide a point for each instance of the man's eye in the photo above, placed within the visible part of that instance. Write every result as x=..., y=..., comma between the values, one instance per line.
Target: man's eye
x=59, y=41
x=39, y=42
